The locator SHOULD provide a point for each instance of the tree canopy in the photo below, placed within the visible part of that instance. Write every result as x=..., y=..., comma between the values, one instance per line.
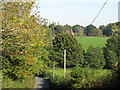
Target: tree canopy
x=23, y=41
x=112, y=51
x=74, y=50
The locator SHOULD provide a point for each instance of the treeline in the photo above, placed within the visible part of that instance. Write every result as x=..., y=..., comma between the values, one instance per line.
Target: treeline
x=89, y=30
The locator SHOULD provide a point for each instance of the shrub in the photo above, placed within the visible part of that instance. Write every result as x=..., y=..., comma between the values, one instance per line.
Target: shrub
x=90, y=78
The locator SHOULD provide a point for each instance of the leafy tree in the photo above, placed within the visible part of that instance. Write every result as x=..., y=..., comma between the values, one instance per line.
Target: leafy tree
x=59, y=29
x=79, y=30
x=23, y=41
x=94, y=58
x=67, y=27
x=92, y=31
x=73, y=49
x=110, y=29
x=112, y=51
x=52, y=26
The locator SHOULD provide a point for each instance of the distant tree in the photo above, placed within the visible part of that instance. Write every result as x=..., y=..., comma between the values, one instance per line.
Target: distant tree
x=73, y=48
x=79, y=30
x=94, y=58
x=52, y=26
x=67, y=27
x=110, y=29
x=92, y=31
x=59, y=29
x=112, y=51
x=102, y=27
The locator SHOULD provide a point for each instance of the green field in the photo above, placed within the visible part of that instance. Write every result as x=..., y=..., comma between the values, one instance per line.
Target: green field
x=91, y=41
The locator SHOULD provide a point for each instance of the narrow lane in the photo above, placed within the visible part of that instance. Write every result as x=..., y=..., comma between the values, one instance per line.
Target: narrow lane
x=41, y=84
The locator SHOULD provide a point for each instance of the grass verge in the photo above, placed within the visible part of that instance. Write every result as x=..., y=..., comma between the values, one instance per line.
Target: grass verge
x=27, y=83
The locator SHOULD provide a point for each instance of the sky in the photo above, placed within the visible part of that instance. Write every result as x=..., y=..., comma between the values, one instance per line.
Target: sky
x=80, y=12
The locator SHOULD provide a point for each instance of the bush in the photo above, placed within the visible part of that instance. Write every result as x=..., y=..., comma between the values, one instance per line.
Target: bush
x=61, y=82
x=90, y=78
x=58, y=81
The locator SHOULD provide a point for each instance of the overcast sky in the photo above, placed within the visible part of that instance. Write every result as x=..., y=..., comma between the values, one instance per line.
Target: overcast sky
x=80, y=12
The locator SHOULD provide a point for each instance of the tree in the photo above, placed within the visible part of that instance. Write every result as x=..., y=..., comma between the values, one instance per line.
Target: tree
x=94, y=58
x=67, y=27
x=23, y=41
x=59, y=29
x=112, y=51
x=92, y=31
x=73, y=48
x=110, y=29
x=79, y=30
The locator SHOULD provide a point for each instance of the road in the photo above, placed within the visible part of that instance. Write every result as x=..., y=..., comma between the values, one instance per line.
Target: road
x=41, y=84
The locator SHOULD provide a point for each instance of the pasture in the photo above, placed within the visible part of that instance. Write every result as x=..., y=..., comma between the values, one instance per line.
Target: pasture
x=92, y=41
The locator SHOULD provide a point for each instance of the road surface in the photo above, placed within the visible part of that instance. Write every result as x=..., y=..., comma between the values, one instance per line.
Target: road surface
x=41, y=84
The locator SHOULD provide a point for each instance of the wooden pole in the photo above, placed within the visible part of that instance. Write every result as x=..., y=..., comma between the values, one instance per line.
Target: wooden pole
x=64, y=63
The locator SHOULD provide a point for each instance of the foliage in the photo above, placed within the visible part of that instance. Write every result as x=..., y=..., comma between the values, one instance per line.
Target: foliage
x=58, y=81
x=67, y=27
x=94, y=58
x=89, y=78
x=92, y=31
x=23, y=41
x=27, y=83
x=86, y=42
x=112, y=51
x=79, y=30
x=110, y=29
x=61, y=82
x=73, y=49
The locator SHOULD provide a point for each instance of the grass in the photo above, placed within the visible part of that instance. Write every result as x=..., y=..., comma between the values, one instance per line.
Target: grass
x=27, y=83
x=60, y=71
x=91, y=41
x=97, y=73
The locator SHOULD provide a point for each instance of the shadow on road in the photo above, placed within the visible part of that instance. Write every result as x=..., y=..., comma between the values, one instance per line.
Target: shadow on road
x=41, y=84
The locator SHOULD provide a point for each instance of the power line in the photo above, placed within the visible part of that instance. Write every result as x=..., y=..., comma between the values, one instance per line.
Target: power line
x=99, y=11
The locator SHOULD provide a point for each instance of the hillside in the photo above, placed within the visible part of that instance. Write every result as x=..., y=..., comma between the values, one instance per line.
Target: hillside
x=94, y=41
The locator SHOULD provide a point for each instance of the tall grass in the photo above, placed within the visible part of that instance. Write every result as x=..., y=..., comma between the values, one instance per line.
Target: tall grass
x=27, y=83
x=60, y=71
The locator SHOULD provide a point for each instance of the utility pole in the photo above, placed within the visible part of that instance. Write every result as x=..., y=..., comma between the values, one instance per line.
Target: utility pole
x=64, y=63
